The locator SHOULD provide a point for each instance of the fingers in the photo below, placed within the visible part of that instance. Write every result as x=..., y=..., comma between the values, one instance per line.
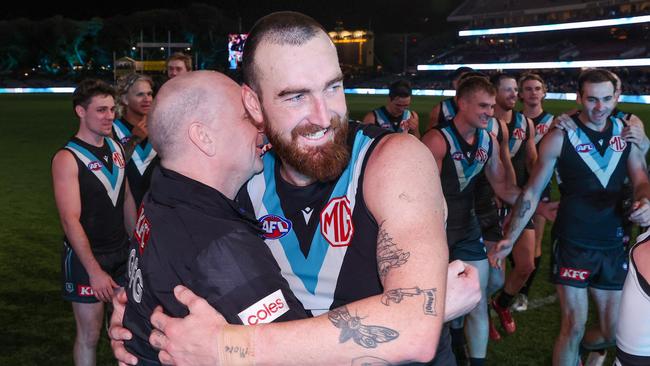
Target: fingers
x=159, y=320
x=158, y=339
x=122, y=355
x=456, y=267
x=193, y=302
x=165, y=358
x=641, y=213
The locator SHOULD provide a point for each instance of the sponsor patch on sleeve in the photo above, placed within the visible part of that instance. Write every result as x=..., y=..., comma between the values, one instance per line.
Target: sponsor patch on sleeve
x=266, y=310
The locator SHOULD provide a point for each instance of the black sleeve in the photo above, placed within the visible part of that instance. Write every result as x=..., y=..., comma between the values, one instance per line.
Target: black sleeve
x=235, y=272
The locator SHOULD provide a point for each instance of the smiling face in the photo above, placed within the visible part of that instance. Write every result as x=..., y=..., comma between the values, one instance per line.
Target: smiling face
x=99, y=115
x=597, y=100
x=300, y=91
x=476, y=108
x=507, y=94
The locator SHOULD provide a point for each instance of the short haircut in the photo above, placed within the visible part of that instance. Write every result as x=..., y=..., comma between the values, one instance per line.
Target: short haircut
x=400, y=88
x=89, y=88
x=530, y=76
x=459, y=72
x=474, y=84
x=179, y=56
x=124, y=84
x=281, y=28
x=496, y=78
x=596, y=76
x=469, y=74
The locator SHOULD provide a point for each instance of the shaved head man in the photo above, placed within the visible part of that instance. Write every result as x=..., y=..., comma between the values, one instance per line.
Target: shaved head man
x=189, y=230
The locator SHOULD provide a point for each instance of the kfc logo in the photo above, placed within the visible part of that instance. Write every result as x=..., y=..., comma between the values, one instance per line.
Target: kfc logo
x=266, y=310
x=118, y=160
x=617, y=143
x=585, y=148
x=458, y=156
x=95, y=165
x=574, y=274
x=481, y=155
x=275, y=226
x=519, y=134
x=541, y=129
x=141, y=232
x=85, y=291
x=336, y=222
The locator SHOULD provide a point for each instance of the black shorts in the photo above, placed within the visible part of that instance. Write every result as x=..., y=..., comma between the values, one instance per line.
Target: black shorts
x=486, y=211
x=76, y=284
x=574, y=266
x=466, y=245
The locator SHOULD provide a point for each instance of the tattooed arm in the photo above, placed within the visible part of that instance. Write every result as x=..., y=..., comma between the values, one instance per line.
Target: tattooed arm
x=549, y=151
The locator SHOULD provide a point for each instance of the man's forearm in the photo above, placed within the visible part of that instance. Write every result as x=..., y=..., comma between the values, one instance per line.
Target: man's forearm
x=79, y=242
x=130, y=145
x=522, y=211
x=381, y=327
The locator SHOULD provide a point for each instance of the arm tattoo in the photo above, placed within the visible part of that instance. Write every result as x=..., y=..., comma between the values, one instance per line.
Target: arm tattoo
x=388, y=254
x=370, y=361
x=237, y=350
x=367, y=336
x=397, y=295
x=519, y=212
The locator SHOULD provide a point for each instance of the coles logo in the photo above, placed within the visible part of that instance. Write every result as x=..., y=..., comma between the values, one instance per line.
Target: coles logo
x=266, y=310
x=541, y=129
x=481, y=155
x=275, y=226
x=574, y=274
x=585, y=148
x=336, y=222
x=617, y=143
x=118, y=159
x=95, y=165
x=85, y=291
x=141, y=232
x=519, y=134
x=457, y=156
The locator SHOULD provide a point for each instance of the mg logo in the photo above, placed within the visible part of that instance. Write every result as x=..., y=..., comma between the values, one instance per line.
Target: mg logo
x=519, y=134
x=336, y=222
x=617, y=143
x=141, y=232
x=481, y=155
x=118, y=160
x=541, y=129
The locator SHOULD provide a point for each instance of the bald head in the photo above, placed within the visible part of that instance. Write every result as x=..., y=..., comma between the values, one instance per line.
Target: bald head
x=206, y=97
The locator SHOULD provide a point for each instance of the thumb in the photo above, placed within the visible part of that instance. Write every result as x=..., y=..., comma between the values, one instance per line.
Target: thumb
x=456, y=267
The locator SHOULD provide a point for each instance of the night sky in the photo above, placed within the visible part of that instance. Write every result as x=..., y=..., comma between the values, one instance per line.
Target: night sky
x=390, y=16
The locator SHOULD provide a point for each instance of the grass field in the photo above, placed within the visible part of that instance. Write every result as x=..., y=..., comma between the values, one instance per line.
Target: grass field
x=36, y=325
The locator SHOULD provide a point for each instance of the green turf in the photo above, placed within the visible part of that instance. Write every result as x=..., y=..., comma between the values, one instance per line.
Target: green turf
x=37, y=327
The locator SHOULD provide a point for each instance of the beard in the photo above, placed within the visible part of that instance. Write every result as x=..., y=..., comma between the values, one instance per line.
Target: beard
x=325, y=162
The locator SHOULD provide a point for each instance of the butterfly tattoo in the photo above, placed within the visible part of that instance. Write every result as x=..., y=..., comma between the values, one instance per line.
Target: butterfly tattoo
x=367, y=336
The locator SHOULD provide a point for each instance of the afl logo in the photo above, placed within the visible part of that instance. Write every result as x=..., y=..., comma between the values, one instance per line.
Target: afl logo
x=584, y=148
x=457, y=156
x=95, y=165
x=274, y=226
x=541, y=129
x=118, y=160
x=519, y=134
x=336, y=222
x=617, y=143
x=481, y=155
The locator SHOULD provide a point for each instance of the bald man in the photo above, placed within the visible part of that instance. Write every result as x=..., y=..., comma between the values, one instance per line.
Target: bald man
x=189, y=230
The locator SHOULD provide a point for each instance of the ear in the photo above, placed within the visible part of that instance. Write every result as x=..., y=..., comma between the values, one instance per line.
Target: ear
x=578, y=98
x=252, y=103
x=201, y=136
x=80, y=111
